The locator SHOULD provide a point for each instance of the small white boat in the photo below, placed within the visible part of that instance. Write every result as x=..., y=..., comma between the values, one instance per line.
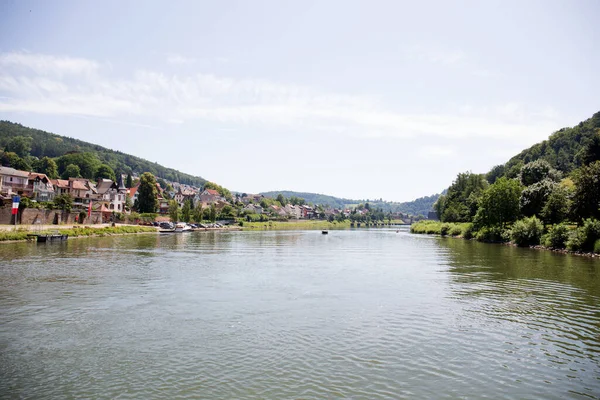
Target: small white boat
x=182, y=227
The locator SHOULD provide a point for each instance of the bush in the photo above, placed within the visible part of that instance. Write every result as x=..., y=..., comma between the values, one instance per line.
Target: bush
x=585, y=236
x=557, y=237
x=527, y=232
x=493, y=234
x=597, y=246
x=468, y=231
x=456, y=230
x=445, y=229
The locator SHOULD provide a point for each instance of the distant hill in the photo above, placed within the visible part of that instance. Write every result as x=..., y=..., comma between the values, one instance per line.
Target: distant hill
x=52, y=145
x=421, y=205
x=564, y=150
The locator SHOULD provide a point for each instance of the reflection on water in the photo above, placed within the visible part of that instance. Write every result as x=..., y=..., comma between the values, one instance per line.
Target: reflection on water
x=296, y=314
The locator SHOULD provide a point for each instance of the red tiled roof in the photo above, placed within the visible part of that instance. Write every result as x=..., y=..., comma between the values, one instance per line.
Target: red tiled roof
x=212, y=192
x=61, y=183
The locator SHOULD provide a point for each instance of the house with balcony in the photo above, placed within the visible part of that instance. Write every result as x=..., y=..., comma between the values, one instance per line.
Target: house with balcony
x=39, y=187
x=13, y=181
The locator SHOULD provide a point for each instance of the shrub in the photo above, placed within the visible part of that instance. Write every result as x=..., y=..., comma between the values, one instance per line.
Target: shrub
x=456, y=230
x=557, y=237
x=468, y=231
x=597, y=246
x=493, y=234
x=585, y=236
x=527, y=232
x=445, y=229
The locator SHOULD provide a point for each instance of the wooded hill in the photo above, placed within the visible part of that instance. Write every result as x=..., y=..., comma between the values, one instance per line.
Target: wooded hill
x=565, y=150
x=45, y=144
x=420, y=206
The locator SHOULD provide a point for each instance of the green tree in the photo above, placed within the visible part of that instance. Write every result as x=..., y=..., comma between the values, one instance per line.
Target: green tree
x=534, y=197
x=461, y=200
x=557, y=206
x=281, y=199
x=173, y=211
x=197, y=214
x=88, y=163
x=21, y=145
x=129, y=182
x=47, y=166
x=186, y=211
x=105, y=172
x=586, y=198
x=536, y=171
x=495, y=173
x=212, y=213
x=148, y=194
x=63, y=202
x=591, y=151
x=71, y=171
x=499, y=203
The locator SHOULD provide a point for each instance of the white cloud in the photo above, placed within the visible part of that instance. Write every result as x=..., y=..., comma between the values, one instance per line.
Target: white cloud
x=178, y=59
x=43, y=64
x=73, y=86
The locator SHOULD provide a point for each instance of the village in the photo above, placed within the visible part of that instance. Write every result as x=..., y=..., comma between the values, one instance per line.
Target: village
x=81, y=200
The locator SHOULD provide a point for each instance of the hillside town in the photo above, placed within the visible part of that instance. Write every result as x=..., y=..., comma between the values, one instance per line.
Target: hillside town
x=111, y=200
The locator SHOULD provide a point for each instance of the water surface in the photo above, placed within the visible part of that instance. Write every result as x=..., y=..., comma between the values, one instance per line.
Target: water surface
x=362, y=314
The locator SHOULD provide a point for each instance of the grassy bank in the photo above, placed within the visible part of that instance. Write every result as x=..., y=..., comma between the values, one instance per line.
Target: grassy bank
x=301, y=224
x=526, y=232
x=463, y=229
x=21, y=233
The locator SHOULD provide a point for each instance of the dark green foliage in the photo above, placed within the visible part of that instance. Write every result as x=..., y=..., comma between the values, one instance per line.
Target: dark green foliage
x=534, y=197
x=173, y=211
x=88, y=164
x=493, y=234
x=11, y=159
x=21, y=145
x=460, y=203
x=186, y=211
x=591, y=150
x=564, y=149
x=557, y=206
x=106, y=172
x=71, y=171
x=129, y=181
x=597, y=246
x=53, y=146
x=499, y=204
x=63, y=202
x=586, y=198
x=527, y=232
x=585, y=237
x=47, y=166
x=148, y=194
x=557, y=237
x=495, y=173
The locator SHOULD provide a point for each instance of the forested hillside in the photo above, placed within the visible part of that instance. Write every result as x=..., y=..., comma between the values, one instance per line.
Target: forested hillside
x=420, y=206
x=565, y=150
x=24, y=148
x=537, y=197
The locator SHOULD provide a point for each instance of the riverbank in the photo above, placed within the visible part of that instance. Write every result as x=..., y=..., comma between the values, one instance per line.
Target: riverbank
x=465, y=230
x=22, y=233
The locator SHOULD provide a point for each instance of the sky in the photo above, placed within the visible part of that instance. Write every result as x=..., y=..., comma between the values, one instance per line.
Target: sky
x=357, y=99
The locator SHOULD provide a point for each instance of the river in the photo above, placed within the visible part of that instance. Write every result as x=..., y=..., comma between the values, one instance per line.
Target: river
x=361, y=314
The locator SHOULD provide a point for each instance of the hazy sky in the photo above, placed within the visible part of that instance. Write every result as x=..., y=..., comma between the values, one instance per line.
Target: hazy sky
x=359, y=99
